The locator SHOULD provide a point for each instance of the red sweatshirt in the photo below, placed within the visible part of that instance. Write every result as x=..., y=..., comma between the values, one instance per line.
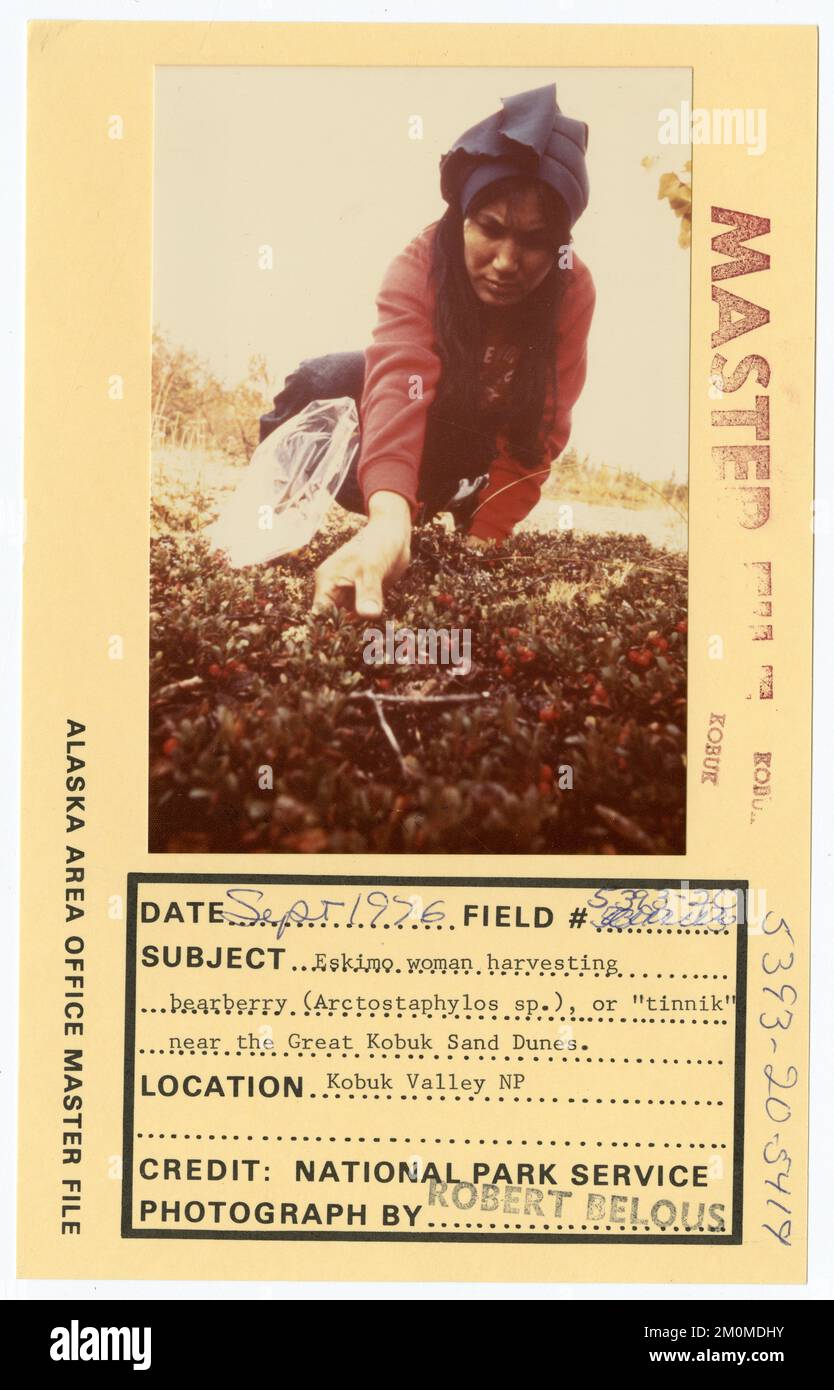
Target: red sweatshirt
x=402, y=371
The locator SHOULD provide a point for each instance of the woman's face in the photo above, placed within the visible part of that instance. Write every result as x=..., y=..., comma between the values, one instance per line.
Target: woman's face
x=504, y=262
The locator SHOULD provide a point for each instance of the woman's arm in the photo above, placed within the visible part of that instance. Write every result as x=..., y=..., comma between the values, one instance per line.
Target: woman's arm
x=402, y=372
x=514, y=490
x=401, y=375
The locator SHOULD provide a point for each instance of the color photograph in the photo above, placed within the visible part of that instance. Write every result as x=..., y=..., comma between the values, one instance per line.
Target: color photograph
x=419, y=460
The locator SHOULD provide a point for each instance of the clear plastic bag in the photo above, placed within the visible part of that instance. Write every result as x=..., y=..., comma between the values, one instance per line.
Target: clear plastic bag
x=289, y=484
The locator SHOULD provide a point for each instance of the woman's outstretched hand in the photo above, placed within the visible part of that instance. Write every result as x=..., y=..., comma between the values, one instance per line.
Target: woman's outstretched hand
x=354, y=575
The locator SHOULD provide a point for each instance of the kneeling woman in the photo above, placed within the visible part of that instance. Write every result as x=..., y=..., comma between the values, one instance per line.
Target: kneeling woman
x=479, y=353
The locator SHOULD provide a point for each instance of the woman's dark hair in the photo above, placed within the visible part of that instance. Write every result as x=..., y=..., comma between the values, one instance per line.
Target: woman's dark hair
x=458, y=327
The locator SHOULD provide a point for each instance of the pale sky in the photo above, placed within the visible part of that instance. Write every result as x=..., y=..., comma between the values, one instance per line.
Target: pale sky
x=318, y=164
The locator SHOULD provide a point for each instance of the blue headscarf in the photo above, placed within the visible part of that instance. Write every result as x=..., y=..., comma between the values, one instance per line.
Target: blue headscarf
x=531, y=137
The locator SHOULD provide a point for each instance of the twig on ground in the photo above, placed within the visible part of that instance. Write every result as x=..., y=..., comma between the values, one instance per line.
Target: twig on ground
x=621, y=825
x=389, y=734
x=417, y=699
x=177, y=688
x=378, y=699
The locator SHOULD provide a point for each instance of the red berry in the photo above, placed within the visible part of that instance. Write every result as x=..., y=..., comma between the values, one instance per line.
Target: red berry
x=507, y=670
x=525, y=654
x=640, y=657
x=548, y=714
x=514, y=633
x=215, y=671
x=682, y=626
x=170, y=746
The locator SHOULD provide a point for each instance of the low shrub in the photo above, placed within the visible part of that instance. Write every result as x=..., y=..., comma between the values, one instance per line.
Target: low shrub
x=270, y=734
